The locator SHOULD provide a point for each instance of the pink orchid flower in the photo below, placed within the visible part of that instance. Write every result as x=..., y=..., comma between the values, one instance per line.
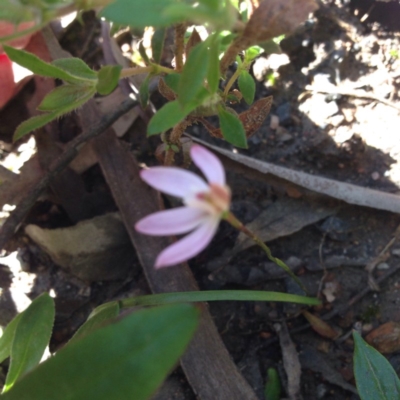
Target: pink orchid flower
x=205, y=205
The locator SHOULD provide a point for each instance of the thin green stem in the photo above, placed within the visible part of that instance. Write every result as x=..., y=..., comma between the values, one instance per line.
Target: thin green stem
x=216, y=295
x=229, y=217
x=231, y=81
x=154, y=69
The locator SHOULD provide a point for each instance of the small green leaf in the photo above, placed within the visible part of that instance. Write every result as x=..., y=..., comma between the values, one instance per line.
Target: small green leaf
x=232, y=128
x=375, y=377
x=76, y=68
x=128, y=359
x=140, y=13
x=252, y=52
x=193, y=73
x=213, y=72
x=32, y=335
x=108, y=79
x=144, y=91
x=7, y=338
x=40, y=120
x=63, y=96
x=96, y=319
x=172, y=81
x=36, y=65
x=157, y=44
x=167, y=116
x=142, y=52
x=273, y=388
x=247, y=86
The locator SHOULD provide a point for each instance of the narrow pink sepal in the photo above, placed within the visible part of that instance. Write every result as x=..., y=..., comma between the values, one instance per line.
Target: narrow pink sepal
x=174, y=181
x=209, y=164
x=171, y=222
x=189, y=246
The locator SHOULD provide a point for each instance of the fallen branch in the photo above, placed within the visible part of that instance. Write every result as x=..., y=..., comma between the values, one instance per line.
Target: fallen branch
x=344, y=191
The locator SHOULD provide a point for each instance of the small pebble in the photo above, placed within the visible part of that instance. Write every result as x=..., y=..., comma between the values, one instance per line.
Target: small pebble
x=274, y=122
x=375, y=176
x=382, y=266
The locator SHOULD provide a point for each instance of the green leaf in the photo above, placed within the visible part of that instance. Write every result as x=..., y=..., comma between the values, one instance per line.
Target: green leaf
x=213, y=72
x=247, y=86
x=7, y=338
x=252, y=52
x=168, y=116
x=142, y=52
x=217, y=295
x=128, y=359
x=232, y=128
x=157, y=44
x=63, y=96
x=211, y=4
x=36, y=65
x=31, y=337
x=140, y=13
x=108, y=79
x=144, y=91
x=193, y=73
x=77, y=68
x=172, y=81
x=98, y=317
x=375, y=377
x=272, y=389
x=40, y=120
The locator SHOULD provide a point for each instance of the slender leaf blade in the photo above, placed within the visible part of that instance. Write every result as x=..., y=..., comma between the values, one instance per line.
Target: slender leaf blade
x=247, y=87
x=375, y=377
x=108, y=79
x=76, y=68
x=31, y=337
x=273, y=387
x=36, y=65
x=172, y=81
x=63, y=96
x=157, y=44
x=40, y=120
x=8, y=337
x=125, y=360
x=140, y=13
x=213, y=72
x=217, y=295
x=99, y=316
x=167, y=116
x=144, y=93
x=232, y=128
x=193, y=73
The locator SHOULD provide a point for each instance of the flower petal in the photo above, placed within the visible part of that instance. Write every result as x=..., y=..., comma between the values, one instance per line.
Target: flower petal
x=209, y=164
x=189, y=246
x=174, y=181
x=171, y=222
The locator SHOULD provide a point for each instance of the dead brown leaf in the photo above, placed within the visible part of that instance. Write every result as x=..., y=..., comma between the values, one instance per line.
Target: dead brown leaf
x=252, y=119
x=320, y=326
x=385, y=338
x=291, y=361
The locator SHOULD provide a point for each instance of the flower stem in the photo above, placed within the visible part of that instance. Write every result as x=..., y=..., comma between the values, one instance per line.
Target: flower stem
x=155, y=69
x=229, y=217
